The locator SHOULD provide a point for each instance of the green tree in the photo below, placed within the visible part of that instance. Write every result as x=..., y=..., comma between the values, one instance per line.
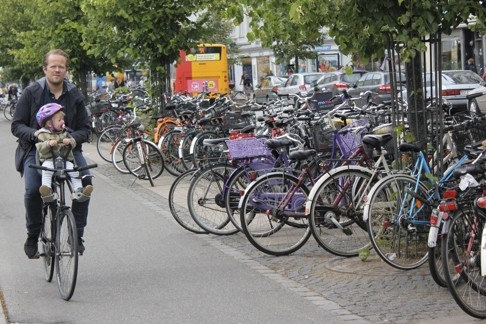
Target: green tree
x=44, y=25
x=152, y=31
x=275, y=24
x=360, y=28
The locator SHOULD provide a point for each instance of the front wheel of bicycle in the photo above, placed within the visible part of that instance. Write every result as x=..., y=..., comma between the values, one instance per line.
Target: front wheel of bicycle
x=8, y=111
x=154, y=162
x=272, y=214
x=66, y=259
x=47, y=243
x=336, y=212
x=398, y=222
x=107, y=141
x=206, y=202
x=462, y=249
x=178, y=202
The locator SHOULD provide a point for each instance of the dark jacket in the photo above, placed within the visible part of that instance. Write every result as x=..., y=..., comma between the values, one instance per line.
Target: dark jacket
x=24, y=123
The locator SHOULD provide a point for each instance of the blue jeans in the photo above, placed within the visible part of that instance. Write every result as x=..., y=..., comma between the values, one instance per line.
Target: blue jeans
x=33, y=202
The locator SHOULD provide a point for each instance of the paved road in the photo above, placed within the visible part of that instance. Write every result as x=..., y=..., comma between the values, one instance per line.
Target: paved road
x=337, y=289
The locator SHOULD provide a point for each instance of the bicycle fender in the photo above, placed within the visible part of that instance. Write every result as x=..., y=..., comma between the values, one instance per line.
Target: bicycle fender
x=326, y=176
x=374, y=188
x=254, y=182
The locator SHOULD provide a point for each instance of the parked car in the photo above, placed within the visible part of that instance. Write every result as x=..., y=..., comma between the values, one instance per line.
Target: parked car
x=477, y=100
x=456, y=85
x=336, y=81
x=378, y=83
x=299, y=83
x=267, y=89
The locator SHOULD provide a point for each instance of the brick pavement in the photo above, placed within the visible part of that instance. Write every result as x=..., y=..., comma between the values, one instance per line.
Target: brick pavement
x=349, y=288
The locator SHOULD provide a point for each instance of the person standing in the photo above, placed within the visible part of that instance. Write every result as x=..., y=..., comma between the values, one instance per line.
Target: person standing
x=470, y=65
x=52, y=88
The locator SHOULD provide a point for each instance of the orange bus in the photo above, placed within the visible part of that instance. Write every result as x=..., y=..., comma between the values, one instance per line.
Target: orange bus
x=204, y=69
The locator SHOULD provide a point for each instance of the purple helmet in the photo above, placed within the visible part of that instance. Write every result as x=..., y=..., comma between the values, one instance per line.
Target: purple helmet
x=46, y=112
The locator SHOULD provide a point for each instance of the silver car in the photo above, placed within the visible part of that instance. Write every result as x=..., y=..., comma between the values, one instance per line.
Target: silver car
x=477, y=100
x=267, y=89
x=456, y=85
x=299, y=83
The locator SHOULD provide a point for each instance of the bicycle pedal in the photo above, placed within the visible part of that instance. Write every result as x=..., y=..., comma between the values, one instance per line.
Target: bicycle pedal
x=141, y=176
x=36, y=256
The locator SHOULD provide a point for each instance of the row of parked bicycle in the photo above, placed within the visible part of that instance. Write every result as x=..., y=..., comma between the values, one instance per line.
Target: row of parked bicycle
x=288, y=174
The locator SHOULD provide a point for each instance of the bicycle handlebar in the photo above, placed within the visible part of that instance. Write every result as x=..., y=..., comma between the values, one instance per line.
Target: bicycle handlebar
x=76, y=168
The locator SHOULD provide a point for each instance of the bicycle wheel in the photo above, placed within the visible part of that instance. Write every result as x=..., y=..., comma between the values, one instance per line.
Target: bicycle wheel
x=204, y=154
x=398, y=223
x=153, y=160
x=436, y=263
x=237, y=183
x=46, y=242
x=66, y=259
x=117, y=156
x=178, y=202
x=107, y=140
x=336, y=212
x=462, y=249
x=171, y=149
x=205, y=199
x=185, y=150
x=8, y=111
x=272, y=224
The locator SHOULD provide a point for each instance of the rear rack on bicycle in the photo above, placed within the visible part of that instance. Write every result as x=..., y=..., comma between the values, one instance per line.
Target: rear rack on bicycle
x=248, y=148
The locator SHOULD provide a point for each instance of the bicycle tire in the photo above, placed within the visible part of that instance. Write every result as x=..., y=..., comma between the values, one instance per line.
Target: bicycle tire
x=234, y=188
x=177, y=202
x=47, y=237
x=270, y=230
x=107, y=140
x=154, y=160
x=464, y=280
x=66, y=259
x=237, y=183
x=117, y=157
x=396, y=240
x=436, y=263
x=8, y=112
x=185, y=150
x=205, y=199
x=172, y=141
x=202, y=154
x=337, y=200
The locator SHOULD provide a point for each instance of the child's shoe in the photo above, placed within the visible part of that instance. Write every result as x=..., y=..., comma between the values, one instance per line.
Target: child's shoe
x=83, y=194
x=46, y=194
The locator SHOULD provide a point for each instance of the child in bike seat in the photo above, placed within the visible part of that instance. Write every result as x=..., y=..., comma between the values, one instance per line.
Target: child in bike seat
x=53, y=141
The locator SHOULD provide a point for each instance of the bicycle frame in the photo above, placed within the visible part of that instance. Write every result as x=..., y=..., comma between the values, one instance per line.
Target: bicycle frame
x=421, y=167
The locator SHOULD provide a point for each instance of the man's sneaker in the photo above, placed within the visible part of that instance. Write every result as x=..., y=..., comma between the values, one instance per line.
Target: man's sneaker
x=81, y=247
x=30, y=246
x=46, y=194
x=83, y=194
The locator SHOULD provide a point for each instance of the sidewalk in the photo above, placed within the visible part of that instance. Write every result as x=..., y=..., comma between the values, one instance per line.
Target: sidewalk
x=368, y=291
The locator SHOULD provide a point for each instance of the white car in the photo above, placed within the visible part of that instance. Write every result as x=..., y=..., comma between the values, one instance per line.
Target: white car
x=456, y=85
x=477, y=100
x=299, y=83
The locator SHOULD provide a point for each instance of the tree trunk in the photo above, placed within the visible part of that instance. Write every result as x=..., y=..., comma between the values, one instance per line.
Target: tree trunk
x=417, y=117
